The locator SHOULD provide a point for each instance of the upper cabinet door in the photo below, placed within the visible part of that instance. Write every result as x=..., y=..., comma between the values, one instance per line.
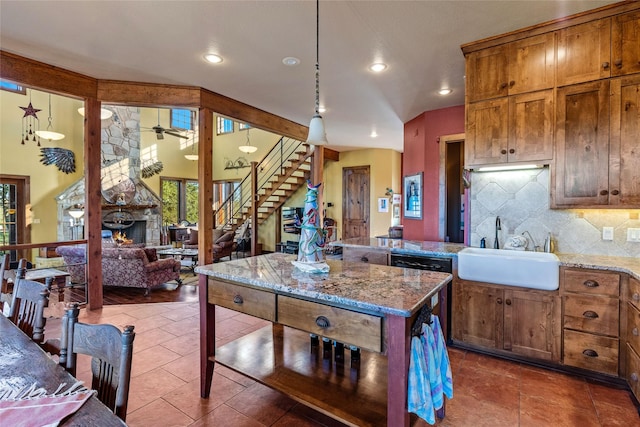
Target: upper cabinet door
x=582, y=145
x=625, y=44
x=486, y=72
x=486, y=132
x=624, y=185
x=584, y=52
x=531, y=124
x=532, y=64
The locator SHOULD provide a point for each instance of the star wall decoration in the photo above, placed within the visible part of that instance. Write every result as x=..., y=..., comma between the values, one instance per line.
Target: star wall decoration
x=30, y=111
x=28, y=123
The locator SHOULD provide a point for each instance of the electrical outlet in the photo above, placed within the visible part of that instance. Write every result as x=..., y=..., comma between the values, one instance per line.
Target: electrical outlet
x=607, y=233
x=36, y=220
x=633, y=234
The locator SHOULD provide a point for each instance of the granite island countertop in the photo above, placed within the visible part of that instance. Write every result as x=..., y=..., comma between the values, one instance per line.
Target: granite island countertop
x=372, y=288
x=629, y=265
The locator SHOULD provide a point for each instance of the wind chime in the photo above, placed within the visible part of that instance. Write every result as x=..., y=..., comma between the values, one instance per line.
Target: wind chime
x=29, y=120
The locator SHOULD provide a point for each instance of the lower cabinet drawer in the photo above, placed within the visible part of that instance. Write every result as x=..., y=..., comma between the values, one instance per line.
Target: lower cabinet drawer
x=633, y=294
x=633, y=371
x=591, y=282
x=593, y=352
x=241, y=298
x=348, y=327
x=633, y=326
x=592, y=314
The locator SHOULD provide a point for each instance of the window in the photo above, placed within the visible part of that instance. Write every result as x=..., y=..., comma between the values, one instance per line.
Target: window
x=223, y=125
x=182, y=118
x=12, y=87
x=179, y=200
x=243, y=126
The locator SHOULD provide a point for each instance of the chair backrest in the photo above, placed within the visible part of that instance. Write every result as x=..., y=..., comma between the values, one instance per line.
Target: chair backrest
x=4, y=266
x=28, y=303
x=111, y=352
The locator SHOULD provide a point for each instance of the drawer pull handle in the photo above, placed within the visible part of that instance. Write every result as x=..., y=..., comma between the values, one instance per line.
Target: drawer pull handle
x=499, y=300
x=322, y=322
x=605, y=65
x=634, y=331
x=364, y=259
x=237, y=299
x=636, y=297
x=591, y=284
x=634, y=377
x=590, y=353
x=508, y=302
x=590, y=314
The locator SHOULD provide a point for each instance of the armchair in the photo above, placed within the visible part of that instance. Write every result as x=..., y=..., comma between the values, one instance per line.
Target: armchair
x=134, y=268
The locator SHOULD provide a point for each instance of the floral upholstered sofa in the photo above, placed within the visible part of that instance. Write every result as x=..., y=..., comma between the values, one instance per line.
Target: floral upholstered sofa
x=128, y=267
x=223, y=243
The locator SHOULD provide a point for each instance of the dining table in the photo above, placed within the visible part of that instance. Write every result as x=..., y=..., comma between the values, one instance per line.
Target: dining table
x=24, y=364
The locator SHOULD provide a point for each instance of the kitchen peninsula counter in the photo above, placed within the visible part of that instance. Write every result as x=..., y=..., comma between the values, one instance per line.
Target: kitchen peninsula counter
x=370, y=306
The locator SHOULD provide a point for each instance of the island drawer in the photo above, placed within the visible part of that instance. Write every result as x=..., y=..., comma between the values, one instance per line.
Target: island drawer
x=634, y=292
x=633, y=327
x=592, y=314
x=368, y=255
x=345, y=326
x=247, y=300
x=593, y=352
x=591, y=282
x=633, y=370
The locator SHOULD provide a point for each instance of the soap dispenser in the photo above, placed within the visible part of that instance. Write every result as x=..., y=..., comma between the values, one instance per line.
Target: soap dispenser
x=483, y=242
x=548, y=244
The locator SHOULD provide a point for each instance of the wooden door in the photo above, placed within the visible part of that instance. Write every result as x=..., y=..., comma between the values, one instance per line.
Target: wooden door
x=582, y=145
x=625, y=44
x=532, y=64
x=486, y=132
x=584, y=52
x=14, y=202
x=355, y=202
x=624, y=160
x=477, y=317
x=486, y=72
x=531, y=125
x=532, y=323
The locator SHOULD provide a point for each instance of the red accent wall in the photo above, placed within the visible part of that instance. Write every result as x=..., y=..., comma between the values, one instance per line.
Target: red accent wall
x=422, y=154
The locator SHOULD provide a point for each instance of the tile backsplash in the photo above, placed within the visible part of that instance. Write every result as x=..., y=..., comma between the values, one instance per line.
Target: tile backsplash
x=521, y=200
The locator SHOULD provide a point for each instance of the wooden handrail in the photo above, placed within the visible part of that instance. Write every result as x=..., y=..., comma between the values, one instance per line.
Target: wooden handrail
x=22, y=246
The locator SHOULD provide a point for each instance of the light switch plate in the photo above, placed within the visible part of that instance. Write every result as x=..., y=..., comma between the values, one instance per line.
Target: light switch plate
x=607, y=233
x=633, y=234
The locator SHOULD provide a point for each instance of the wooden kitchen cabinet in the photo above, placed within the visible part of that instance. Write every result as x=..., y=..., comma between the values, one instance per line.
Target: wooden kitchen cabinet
x=581, y=175
x=632, y=347
x=507, y=320
x=507, y=130
x=591, y=319
x=584, y=52
x=625, y=44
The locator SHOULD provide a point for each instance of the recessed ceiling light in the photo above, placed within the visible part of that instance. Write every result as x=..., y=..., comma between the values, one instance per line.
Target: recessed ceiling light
x=374, y=134
x=445, y=91
x=291, y=61
x=213, y=58
x=378, y=67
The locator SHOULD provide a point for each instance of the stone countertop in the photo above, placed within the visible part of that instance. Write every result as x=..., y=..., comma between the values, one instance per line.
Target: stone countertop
x=371, y=288
x=630, y=265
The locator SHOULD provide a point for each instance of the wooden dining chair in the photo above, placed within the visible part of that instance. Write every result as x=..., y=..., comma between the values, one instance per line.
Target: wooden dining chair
x=27, y=305
x=111, y=352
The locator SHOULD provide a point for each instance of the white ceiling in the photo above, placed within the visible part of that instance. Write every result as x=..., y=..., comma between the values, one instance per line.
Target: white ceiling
x=163, y=42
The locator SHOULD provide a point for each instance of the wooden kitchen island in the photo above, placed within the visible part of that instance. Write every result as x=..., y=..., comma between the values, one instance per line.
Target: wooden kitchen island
x=369, y=306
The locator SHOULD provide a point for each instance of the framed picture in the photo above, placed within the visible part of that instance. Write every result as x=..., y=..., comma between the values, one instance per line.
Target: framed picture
x=383, y=204
x=412, y=191
x=396, y=199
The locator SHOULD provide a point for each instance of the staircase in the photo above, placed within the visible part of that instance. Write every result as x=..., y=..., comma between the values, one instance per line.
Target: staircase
x=280, y=173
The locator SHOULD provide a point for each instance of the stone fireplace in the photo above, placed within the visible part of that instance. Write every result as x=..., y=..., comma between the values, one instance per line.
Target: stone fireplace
x=124, y=194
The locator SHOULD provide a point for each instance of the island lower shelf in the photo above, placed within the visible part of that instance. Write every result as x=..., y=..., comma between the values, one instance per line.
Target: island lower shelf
x=281, y=358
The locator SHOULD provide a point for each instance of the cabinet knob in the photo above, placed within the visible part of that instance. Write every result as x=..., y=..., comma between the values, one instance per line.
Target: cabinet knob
x=590, y=353
x=503, y=85
x=605, y=65
x=589, y=314
x=615, y=192
x=603, y=192
x=591, y=283
x=364, y=259
x=634, y=331
x=618, y=63
x=634, y=377
x=499, y=300
x=511, y=151
x=507, y=301
x=237, y=299
x=503, y=151
x=322, y=322
x=635, y=297
x=512, y=83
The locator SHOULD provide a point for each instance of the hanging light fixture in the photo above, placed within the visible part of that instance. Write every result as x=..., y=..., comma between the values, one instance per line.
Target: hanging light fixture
x=49, y=134
x=248, y=148
x=104, y=113
x=317, y=134
x=193, y=156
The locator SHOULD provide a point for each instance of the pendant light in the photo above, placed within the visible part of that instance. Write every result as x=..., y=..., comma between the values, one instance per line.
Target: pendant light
x=193, y=156
x=317, y=134
x=248, y=148
x=49, y=134
x=104, y=113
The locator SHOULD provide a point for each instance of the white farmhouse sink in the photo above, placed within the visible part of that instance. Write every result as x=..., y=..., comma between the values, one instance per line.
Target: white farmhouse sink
x=535, y=270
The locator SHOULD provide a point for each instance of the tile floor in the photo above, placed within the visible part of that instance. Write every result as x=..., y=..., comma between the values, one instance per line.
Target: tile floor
x=487, y=391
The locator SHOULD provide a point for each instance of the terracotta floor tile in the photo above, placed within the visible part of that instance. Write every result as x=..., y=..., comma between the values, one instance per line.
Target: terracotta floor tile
x=261, y=403
x=233, y=375
x=228, y=327
x=503, y=391
x=183, y=344
x=150, y=338
x=538, y=412
x=187, y=397
x=181, y=313
x=151, y=358
x=491, y=364
x=186, y=368
x=561, y=389
x=617, y=416
x=179, y=327
x=471, y=411
x=158, y=413
x=151, y=386
x=152, y=322
x=226, y=416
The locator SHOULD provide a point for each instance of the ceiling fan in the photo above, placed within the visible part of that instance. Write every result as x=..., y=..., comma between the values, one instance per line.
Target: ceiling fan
x=160, y=131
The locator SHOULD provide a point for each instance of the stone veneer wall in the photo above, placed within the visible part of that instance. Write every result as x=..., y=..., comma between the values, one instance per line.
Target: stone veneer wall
x=521, y=199
x=120, y=137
